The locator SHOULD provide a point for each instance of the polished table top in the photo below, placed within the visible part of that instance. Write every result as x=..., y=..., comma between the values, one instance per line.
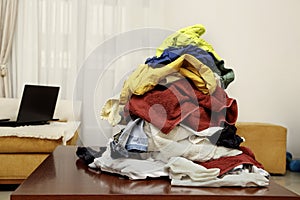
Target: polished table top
x=63, y=176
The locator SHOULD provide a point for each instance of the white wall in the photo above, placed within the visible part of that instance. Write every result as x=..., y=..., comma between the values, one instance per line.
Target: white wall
x=260, y=40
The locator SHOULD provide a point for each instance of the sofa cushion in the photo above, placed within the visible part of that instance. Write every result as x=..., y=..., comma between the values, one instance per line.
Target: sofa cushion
x=13, y=144
x=268, y=143
x=19, y=166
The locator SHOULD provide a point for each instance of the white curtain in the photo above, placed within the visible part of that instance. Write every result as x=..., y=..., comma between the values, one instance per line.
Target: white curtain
x=54, y=40
x=8, y=10
x=45, y=48
x=54, y=37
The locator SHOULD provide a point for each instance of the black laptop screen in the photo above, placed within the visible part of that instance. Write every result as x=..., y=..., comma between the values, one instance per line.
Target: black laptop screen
x=38, y=103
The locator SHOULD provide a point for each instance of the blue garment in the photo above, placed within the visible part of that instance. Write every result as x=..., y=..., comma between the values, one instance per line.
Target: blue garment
x=132, y=138
x=172, y=53
x=137, y=140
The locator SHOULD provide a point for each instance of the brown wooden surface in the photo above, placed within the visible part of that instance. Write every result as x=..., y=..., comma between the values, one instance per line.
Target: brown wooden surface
x=63, y=176
x=10, y=181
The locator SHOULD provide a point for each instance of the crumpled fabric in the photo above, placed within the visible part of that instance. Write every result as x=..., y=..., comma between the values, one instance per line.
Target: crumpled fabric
x=145, y=78
x=171, y=53
x=227, y=75
x=182, y=103
x=181, y=168
x=132, y=168
x=186, y=36
x=225, y=164
x=110, y=111
x=179, y=142
x=131, y=138
x=184, y=172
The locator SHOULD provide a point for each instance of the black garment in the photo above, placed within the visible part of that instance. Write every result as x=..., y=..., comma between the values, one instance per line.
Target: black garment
x=116, y=152
x=87, y=154
x=227, y=137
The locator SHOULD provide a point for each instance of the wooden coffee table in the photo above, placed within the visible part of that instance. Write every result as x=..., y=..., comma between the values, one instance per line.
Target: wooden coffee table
x=63, y=176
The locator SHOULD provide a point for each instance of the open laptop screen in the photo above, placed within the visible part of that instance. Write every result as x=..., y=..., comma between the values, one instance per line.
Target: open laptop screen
x=38, y=103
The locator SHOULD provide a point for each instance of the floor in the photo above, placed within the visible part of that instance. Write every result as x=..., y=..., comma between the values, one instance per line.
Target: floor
x=291, y=181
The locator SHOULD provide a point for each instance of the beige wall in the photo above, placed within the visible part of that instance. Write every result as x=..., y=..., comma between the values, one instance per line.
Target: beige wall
x=260, y=40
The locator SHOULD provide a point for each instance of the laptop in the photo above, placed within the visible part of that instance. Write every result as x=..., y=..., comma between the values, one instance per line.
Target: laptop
x=37, y=106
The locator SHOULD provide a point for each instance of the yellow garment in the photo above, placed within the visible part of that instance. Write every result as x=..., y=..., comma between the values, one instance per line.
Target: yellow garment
x=145, y=78
x=186, y=36
x=110, y=111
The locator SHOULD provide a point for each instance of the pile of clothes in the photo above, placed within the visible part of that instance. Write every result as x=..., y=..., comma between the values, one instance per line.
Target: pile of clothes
x=178, y=120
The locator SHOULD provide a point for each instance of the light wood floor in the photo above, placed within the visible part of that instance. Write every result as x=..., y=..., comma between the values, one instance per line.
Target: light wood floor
x=291, y=180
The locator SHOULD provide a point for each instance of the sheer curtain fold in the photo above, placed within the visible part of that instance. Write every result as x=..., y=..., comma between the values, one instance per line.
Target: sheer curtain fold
x=54, y=38
x=46, y=43
x=8, y=11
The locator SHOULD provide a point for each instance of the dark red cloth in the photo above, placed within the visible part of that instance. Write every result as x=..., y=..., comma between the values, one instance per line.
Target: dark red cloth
x=226, y=164
x=182, y=102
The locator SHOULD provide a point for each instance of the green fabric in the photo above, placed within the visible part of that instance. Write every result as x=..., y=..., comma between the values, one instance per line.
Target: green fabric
x=227, y=75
